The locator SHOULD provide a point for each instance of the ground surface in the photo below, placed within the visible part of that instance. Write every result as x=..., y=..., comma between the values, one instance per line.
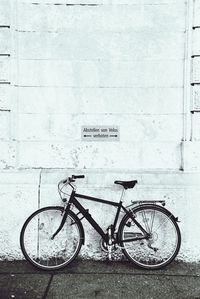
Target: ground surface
x=89, y=279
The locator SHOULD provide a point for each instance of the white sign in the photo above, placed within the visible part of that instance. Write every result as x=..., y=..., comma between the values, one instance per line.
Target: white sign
x=100, y=133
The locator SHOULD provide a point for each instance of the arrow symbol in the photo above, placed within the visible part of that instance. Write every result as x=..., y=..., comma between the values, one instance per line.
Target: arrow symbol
x=87, y=135
x=113, y=135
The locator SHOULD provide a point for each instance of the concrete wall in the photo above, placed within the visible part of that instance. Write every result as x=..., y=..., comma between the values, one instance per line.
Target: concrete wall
x=96, y=62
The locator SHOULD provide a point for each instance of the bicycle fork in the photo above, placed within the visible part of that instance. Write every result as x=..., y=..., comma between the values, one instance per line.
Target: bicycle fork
x=65, y=214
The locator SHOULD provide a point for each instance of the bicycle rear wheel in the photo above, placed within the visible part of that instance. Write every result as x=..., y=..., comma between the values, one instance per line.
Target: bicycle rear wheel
x=161, y=247
x=36, y=238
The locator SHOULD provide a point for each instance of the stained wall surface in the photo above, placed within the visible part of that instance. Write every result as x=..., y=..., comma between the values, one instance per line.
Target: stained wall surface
x=132, y=64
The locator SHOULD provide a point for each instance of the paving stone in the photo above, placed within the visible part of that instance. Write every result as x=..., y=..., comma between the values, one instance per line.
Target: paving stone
x=23, y=286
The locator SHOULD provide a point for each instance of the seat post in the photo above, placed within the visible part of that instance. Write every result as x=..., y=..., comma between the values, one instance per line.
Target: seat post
x=122, y=195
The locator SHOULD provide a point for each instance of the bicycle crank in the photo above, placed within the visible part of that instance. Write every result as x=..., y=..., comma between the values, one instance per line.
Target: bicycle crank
x=104, y=246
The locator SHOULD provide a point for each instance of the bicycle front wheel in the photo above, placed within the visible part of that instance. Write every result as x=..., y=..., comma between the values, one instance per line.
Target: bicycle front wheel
x=36, y=240
x=163, y=243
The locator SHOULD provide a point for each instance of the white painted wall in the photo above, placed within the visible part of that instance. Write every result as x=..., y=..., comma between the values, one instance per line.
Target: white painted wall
x=113, y=63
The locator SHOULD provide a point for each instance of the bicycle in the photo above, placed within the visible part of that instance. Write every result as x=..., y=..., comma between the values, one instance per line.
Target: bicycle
x=148, y=233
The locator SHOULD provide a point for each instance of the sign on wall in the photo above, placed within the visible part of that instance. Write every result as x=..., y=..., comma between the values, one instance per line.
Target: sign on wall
x=100, y=133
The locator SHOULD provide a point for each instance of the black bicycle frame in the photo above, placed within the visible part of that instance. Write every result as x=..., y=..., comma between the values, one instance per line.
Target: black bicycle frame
x=95, y=225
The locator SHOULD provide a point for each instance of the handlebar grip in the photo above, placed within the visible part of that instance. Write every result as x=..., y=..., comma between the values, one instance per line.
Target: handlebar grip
x=78, y=176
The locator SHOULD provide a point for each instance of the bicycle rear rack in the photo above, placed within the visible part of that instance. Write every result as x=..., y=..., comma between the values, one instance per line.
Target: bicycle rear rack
x=140, y=202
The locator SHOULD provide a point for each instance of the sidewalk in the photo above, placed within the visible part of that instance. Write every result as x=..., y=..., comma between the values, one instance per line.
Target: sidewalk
x=89, y=279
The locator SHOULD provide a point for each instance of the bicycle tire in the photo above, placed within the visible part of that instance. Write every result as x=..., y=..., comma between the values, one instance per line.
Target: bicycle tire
x=164, y=242
x=37, y=246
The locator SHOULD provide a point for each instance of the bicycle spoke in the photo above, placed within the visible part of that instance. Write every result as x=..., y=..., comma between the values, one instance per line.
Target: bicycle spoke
x=156, y=229
x=148, y=224
x=145, y=221
x=152, y=221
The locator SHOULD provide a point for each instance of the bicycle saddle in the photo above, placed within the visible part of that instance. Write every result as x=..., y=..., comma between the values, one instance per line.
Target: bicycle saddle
x=126, y=184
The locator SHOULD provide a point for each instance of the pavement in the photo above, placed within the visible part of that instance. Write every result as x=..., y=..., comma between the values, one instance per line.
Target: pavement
x=99, y=279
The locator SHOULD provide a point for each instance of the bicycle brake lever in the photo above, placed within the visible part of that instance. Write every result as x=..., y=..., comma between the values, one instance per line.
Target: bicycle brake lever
x=68, y=179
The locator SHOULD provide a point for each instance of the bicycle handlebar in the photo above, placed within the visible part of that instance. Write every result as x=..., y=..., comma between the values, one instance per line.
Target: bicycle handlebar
x=78, y=176
x=73, y=178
